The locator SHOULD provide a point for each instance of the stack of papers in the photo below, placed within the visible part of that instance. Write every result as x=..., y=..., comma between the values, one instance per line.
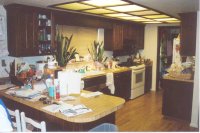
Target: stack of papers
x=91, y=94
x=75, y=110
x=68, y=109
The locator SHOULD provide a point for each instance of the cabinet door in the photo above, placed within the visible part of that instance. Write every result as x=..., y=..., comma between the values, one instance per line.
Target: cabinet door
x=140, y=37
x=117, y=37
x=21, y=33
x=177, y=99
x=148, y=78
x=188, y=33
x=122, y=83
x=29, y=42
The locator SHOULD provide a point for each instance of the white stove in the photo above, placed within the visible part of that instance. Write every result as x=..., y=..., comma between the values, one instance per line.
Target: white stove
x=137, y=81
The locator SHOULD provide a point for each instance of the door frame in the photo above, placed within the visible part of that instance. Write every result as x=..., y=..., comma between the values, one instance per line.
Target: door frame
x=160, y=28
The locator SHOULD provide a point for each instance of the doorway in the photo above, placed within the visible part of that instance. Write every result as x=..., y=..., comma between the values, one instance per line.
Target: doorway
x=166, y=35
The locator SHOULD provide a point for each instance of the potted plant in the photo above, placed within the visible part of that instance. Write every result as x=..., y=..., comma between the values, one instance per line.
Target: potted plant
x=97, y=53
x=64, y=53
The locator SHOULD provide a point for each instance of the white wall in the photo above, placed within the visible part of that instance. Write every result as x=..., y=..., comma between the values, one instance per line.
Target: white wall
x=150, y=47
x=195, y=103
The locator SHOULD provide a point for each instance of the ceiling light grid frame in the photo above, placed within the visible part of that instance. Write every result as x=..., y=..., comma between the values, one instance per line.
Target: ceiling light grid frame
x=107, y=10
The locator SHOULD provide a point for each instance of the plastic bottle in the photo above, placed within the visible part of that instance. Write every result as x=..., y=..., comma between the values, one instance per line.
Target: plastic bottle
x=51, y=88
x=57, y=89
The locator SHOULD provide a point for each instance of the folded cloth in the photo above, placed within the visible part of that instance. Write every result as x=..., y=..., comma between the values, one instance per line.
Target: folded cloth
x=110, y=82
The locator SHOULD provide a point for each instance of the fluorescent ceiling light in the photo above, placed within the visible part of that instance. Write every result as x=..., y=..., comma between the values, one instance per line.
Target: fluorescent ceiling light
x=131, y=18
x=127, y=8
x=75, y=6
x=175, y=21
x=152, y=22
x=166, y=19
x=156, y=16
x=142, y=20
x=104, y=3
x=98, y=11
x=148, y=12
x=118, y=15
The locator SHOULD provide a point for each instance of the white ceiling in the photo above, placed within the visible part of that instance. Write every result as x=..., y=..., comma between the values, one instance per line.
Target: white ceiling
x=171, y=7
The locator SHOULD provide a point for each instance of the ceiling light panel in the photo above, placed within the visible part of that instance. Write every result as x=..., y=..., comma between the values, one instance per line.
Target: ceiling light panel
x=127, y=8
x=152, y=22
x=131, y=18
x=100, y=3
x=156, y=16
x=118, y=15
x=166, y=19
x=147, y=12
x=173, y=21
x=98, y=11
x=142, y=20
x=75, y=6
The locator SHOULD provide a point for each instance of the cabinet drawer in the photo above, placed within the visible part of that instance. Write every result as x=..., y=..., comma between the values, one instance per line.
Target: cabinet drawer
x=89, y=82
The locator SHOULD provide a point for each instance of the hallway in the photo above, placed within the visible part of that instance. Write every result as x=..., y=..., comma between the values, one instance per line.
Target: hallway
x=145, y=114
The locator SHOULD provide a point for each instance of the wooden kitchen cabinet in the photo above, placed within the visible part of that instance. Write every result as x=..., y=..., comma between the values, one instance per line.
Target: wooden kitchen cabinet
x=122, y=81
x=23, y=30
x=148, y=78
x=97, y=83
x=115, y=39
x=188, y=33
x=177, y=99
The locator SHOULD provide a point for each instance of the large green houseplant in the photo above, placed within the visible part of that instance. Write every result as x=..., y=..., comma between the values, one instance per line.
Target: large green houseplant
x=64, y=53
x=97, y=52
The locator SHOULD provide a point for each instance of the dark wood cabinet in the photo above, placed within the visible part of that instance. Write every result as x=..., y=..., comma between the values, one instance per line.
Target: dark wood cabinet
x=23, y=30
x=122, y=81
x=177, y=99
x=134, y=33
x=115, y=39
x=148, y=78
x=96, y=84
x=188, y=33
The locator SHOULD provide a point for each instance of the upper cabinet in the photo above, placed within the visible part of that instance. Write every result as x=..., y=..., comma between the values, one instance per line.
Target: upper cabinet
x=188, y=33
x=123, y=34
x=29, y=30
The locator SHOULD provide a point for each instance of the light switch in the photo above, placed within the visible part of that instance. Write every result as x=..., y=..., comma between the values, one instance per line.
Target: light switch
x=3, y=63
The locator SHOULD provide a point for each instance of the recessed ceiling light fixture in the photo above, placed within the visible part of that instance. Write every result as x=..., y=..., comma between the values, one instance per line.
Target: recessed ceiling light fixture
x=118, y=9
x=103, y=3
x=118, y=15
x=75, y=6
x=127, y=8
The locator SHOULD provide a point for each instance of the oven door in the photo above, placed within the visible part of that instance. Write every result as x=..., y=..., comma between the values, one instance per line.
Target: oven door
x=138, y=78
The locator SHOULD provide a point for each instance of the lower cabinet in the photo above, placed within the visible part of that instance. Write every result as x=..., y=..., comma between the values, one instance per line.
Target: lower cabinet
x=96, y=84
x=177, y=99
x=148, y=78
x=122, y=81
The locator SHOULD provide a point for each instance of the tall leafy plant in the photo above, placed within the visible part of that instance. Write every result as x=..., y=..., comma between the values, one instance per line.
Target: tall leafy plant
x=97, y=52
x=64, y=53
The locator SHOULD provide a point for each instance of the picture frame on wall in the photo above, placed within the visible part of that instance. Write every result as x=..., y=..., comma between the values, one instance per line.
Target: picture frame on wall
x=2, y=28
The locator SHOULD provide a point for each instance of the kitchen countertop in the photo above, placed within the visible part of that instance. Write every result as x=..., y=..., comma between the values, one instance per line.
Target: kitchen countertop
x=101, y=106
x=166, y=76
x=105, y=71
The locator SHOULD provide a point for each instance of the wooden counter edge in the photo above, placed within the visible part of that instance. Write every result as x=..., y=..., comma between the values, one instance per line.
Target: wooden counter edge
x=69, y=119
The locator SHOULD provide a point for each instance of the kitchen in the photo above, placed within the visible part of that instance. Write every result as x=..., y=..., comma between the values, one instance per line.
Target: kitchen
x=149, y=30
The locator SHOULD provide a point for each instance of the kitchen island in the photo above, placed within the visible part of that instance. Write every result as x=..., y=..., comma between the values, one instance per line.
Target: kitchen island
x=177, y=98
x=103, y=110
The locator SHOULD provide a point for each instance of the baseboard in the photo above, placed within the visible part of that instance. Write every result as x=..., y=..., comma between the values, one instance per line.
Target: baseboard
x=194, y=125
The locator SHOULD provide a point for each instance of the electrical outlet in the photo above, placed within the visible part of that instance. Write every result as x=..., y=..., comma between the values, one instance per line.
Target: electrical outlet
x=3, y=63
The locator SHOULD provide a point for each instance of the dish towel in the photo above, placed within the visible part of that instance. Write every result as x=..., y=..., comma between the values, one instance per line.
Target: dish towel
x=110, y=82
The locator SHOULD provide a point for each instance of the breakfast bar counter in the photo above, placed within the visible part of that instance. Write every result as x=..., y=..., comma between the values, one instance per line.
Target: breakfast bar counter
x=103, y=110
